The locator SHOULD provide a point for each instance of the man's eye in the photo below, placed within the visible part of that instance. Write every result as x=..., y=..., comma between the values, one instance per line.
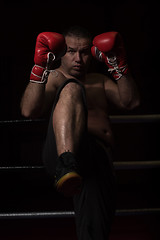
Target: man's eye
x=86, y=52
x=71, y=51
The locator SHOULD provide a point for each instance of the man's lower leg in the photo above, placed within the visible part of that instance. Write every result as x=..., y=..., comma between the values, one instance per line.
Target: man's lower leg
x=69, y=122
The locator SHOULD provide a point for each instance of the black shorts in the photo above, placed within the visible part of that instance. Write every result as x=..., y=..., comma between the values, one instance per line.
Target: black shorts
x=94, y=207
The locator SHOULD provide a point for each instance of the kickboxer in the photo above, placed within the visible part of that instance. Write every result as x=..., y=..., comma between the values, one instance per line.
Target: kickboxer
x=78, y=147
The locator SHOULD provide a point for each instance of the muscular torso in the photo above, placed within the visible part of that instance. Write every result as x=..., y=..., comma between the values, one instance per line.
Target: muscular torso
x=98, y=119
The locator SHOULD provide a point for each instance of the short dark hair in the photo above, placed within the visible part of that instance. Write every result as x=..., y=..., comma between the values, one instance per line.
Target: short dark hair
x=77, y=31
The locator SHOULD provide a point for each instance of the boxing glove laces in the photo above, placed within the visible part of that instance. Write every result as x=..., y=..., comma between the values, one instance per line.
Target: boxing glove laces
x=109, y=48
x=50, y=46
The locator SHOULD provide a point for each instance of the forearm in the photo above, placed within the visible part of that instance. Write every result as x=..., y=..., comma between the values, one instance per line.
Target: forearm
x=32, y=100
x=128, y=92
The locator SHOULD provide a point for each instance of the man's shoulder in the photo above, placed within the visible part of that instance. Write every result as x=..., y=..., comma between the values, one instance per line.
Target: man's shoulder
x=56, y=78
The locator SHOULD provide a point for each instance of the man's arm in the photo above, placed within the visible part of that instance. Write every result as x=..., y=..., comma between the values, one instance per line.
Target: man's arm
x=41, y=89
x=32, y=100
x=38, y=98
x=122, y=91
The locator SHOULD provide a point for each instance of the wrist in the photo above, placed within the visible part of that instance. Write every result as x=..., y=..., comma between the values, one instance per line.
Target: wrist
x=116, y=68
x=39, y=74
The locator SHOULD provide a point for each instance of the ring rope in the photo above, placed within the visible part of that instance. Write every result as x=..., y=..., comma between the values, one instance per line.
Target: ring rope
x=136, y=165
x=113, y=118
x=117, y=166
x=71, y=214
x=135, y=118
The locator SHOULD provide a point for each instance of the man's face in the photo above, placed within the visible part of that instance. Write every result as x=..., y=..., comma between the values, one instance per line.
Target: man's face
x=77, y=58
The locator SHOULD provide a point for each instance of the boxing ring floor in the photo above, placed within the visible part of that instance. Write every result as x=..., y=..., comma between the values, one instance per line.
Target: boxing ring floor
x=31, y=209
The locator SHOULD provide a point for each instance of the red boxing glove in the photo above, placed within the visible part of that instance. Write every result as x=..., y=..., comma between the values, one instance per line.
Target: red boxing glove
x=49, y=46
x=109, y=48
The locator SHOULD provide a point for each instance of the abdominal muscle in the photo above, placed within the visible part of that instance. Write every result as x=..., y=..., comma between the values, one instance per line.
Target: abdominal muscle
x=99, y=125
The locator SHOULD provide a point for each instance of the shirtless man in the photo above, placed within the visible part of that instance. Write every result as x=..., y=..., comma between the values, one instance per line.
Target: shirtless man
x=79, y=138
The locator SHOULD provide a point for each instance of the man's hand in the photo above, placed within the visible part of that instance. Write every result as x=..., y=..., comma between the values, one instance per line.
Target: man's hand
x=49, y=47
x=109, y=48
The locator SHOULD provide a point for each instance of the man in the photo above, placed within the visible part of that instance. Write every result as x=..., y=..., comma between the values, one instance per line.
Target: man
x=78, y=145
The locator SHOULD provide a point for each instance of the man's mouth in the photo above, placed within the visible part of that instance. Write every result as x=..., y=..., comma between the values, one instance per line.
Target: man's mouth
x=77, y=67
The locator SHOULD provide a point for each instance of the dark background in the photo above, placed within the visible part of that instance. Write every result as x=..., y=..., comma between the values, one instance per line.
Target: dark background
x=29, y=190
x=22, y=21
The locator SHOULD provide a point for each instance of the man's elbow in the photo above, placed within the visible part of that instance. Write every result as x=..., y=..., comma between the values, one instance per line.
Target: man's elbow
x=29, y=113
x=135, y=104
x=25, y=113
x=131, y=104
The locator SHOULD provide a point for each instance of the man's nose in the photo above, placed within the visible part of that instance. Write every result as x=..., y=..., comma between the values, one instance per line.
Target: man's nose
x=78, y=57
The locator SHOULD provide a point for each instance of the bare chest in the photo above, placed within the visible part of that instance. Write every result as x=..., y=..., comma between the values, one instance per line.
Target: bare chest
x=96, y=98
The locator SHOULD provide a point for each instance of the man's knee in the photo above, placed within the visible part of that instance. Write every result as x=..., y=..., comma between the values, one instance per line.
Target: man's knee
x=72, y=90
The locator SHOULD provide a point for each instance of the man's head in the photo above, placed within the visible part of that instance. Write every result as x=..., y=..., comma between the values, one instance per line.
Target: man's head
x=77, y=58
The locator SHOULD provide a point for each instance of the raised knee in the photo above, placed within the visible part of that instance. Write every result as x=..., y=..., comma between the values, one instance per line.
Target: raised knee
x=72, y=89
